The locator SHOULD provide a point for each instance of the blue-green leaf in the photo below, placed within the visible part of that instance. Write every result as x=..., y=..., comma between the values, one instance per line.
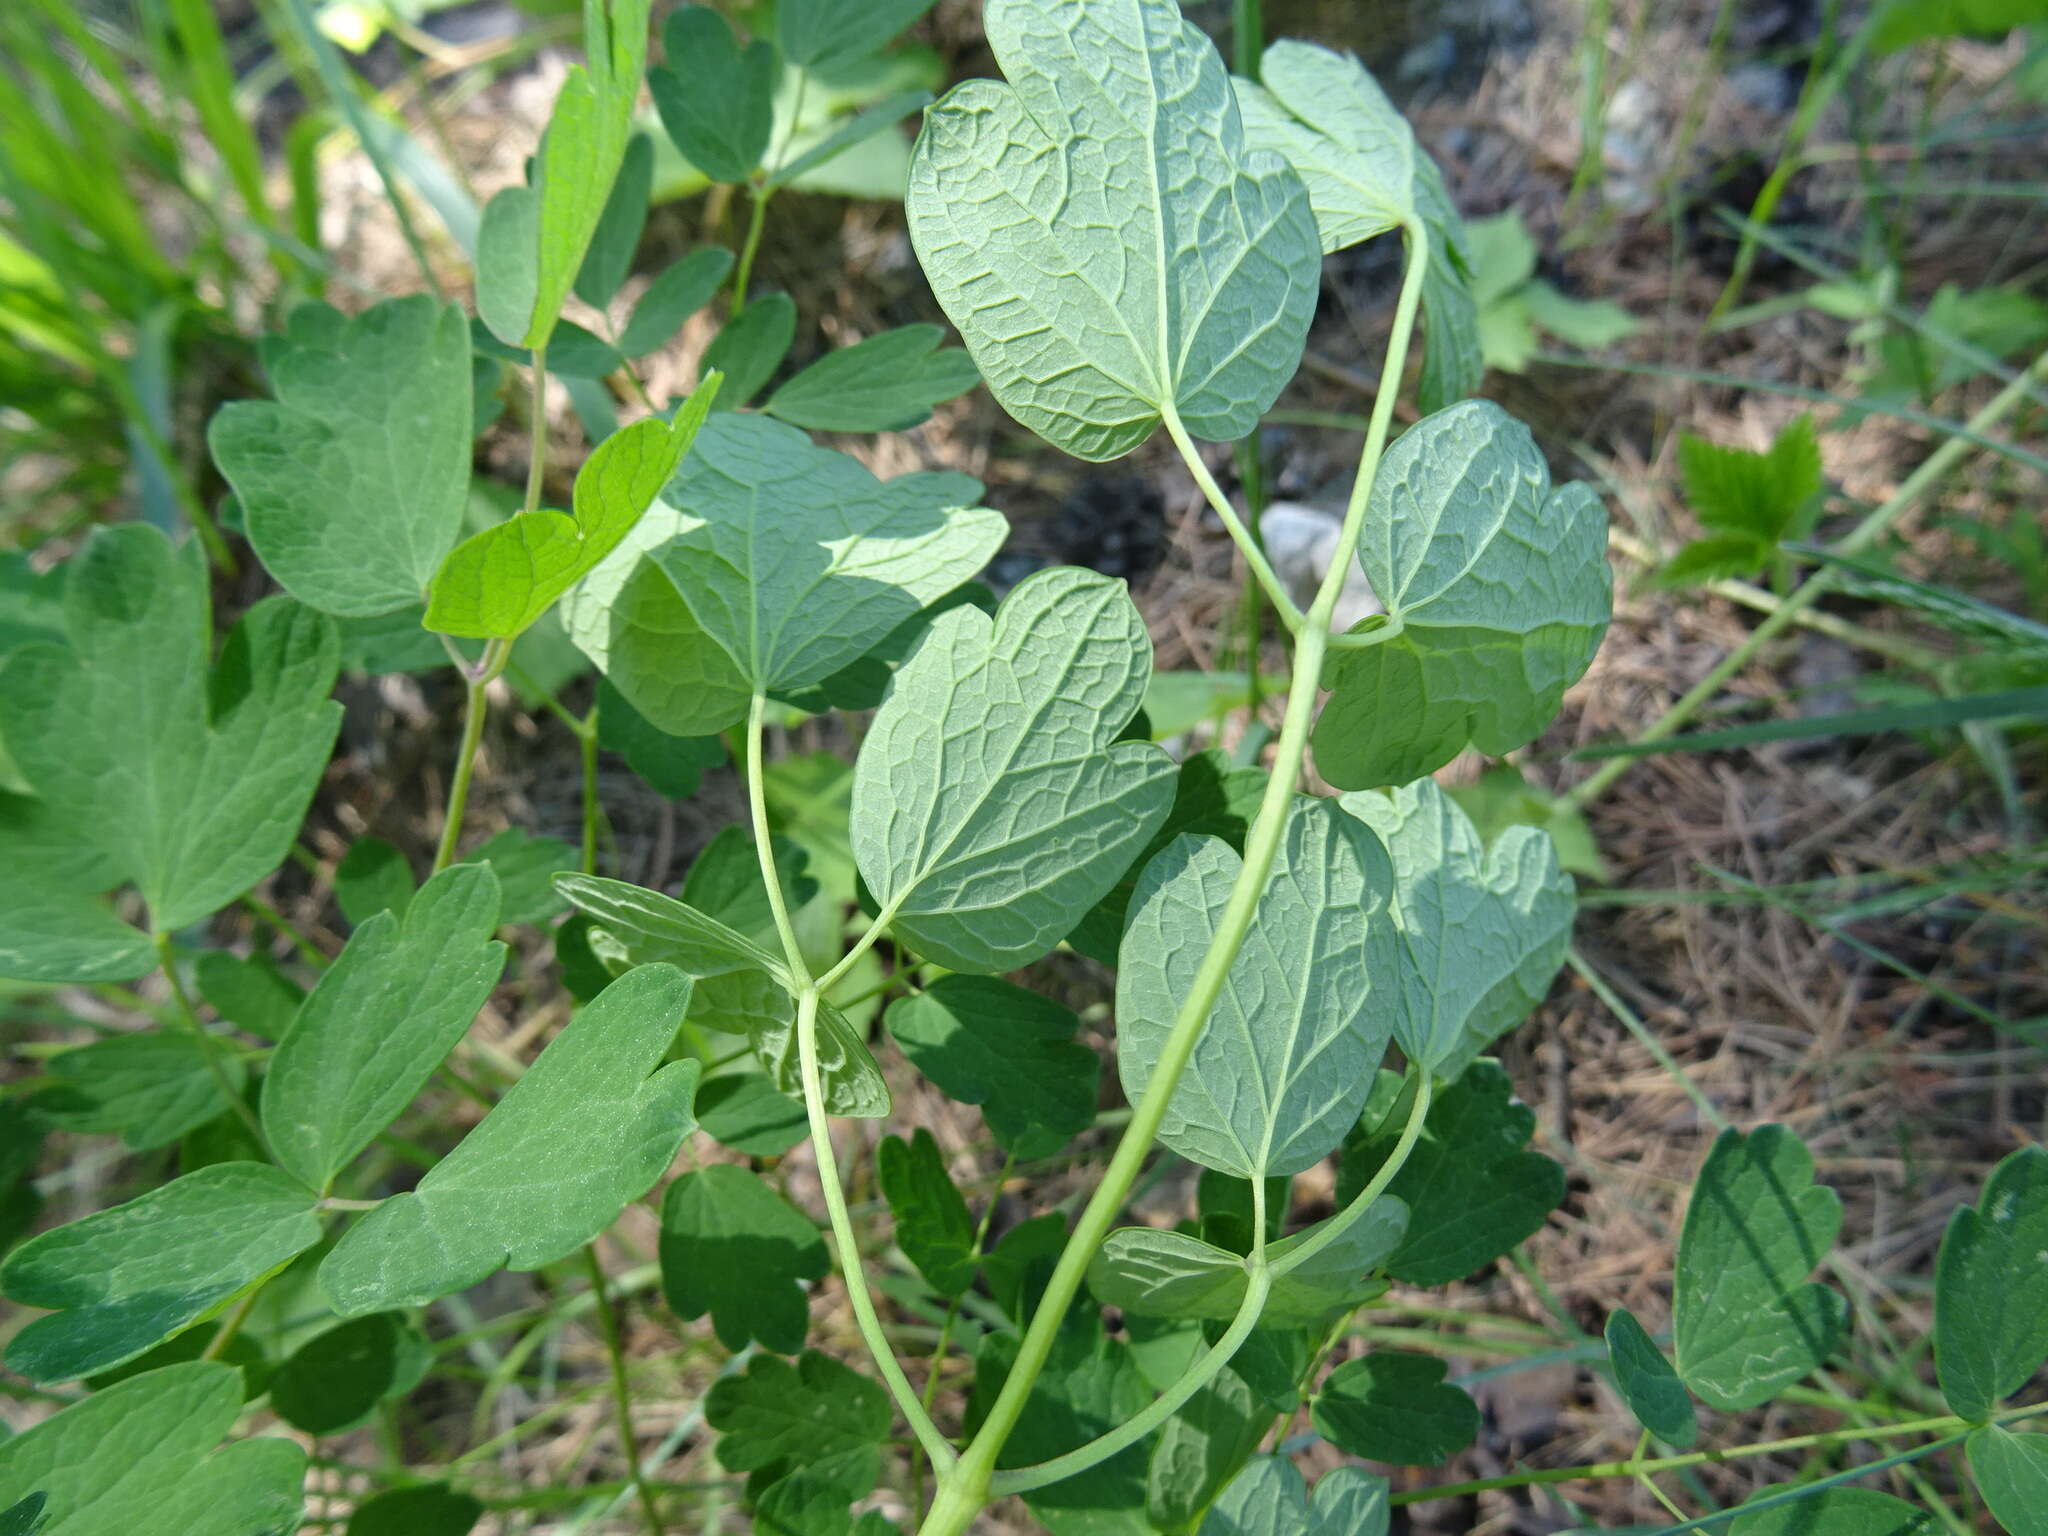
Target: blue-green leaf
x=1648, y=1383
x=1991, y=1289
x=734, y=1248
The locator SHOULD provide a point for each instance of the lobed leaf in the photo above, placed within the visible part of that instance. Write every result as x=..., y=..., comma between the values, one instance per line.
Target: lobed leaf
x=734, y=1248
x=1746, y=1322
x=716, y=98
x=1007, y=1049
x=1648, y=1384
x=146, y=1456
x=1285, y=1064
x=352, y=482
x=1098, y=229
x=672, y=766
x=769, y=565
x=1323, y=114
x=1482, y=931
x=775, y=1411
x=145, y=768
x=933, y=1227
x=592, y=1124
x=379, y=1021
x=1991, y=1289
x=498, y=582
x=129, y=1277
x=1396, y=1408
x=992, y=805
x=1497, y=592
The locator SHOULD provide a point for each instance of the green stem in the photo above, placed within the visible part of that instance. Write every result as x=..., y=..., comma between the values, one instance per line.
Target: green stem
x=1337, y=1225
x=964, y=1491
x=935, y=1444
x=757, y=808
x=208, y=1047
x=1595, y=1471
x=743, y=269
x=622, y=1395
x=1931, y=472
x=593, y=813
x=1254, y=555
x=264, y=912
x=231, y=1325
x=537, y=429
x=475, y=705
x=1247, y=38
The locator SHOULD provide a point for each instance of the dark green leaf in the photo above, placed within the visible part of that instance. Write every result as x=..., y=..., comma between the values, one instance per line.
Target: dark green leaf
x=378, y=1022
x=854, y=131
x=241, y=1351
x=883, y=384
x=1394, y=1407
x=151, y=1089
x=933, y=1227
x=526, y=866
x=129, y=1277
x=1022, y=1261
x=1200, y=1449
x=147, y=1456
x=746, y=1112
x=776, y=1411
x=813, y=1500
x=1746, y=1322
x=751, y=347
x=1991, y=1289
x=597, y=1110
x=617, y=236
x=830, y=31
x=864, y=683
x=1472, y=1190
x=681, y=289
x=336, y=1381
x=25, y=1518
x=716, y=99
x=1648, y=1383
x=372, y=877
x=431, y=1509
x=1268, y=1499
x=2012, y=1474
x=990, y=1042
x=672, y=766
x=1831, y=1512
x=725, y=881
x=734, y=1248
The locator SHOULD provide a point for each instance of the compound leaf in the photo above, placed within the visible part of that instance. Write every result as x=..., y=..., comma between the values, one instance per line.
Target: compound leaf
x=990, y=1042
x=2012, y=1474
x=933, y=1227
x=1472, y=1190
x=883, y=384
x=1746, y=1322
x=352, y=482
x=533, y=239
x=716, y=99
x=130, y=1277
x=1991, y=1289
x=145, y=1455
x=378, y=1022
x=734, y=1248
x=1497, y=592
x=992, y=804
x=678, y=292
x=822, y=31
x=775, y=1411
x=1795, y=1511
x=1285, y=1065
x=1483, y=931
x=1328, y=118
x=592, y=1124
x=770, y=565
x=151, y=1089
x=145, y=768
x=336, y=1380
x=1396, y=1408
x=497, y=583
x=1107, y=244
x=1648, y=1383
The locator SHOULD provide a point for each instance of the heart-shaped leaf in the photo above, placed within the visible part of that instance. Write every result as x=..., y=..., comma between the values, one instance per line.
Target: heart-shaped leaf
x=734, y=1248
x=1991, y=1288
x=1397, y=1408
x=716, y=99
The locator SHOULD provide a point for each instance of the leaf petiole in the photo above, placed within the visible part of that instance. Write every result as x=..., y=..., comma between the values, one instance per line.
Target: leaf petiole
x=475, y=705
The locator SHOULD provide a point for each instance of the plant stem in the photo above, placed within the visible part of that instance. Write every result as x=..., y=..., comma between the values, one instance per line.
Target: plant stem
x=964, y=1491
x=1254, y=555
x=757, y=808
x=1336, y=1226
x=593, y=813
x=757, y=217
x=935, y=1444
x=1932, y=470
x=1594, y=1471
x=475, y=705
x=208, y=1047
x=537, y=429
x=231, y=1324
x=622, y=1396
